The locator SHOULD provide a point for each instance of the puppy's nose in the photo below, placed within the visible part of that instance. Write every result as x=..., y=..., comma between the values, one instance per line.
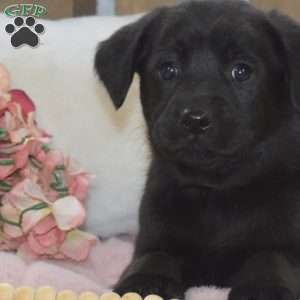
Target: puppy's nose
x=195, y=122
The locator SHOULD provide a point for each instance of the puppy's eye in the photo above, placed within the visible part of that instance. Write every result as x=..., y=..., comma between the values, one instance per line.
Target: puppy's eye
x=168, y=71
x=241, y=72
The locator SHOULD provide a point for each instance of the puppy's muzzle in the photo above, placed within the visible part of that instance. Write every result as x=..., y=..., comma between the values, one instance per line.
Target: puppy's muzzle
x=195, y=121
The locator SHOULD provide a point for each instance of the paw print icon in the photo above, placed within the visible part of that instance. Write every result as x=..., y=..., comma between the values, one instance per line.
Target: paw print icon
x=24, y=31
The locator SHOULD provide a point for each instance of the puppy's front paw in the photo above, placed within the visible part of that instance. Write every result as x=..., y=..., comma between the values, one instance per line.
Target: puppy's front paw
x=147, y=284
x=261, y=293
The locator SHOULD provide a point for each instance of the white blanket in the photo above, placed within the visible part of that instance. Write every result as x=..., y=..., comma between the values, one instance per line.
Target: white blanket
x=75, y=108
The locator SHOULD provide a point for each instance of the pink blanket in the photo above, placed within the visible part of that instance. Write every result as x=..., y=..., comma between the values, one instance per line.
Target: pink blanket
x=101, y=270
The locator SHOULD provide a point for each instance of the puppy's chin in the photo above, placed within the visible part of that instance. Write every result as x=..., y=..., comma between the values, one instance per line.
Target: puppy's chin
x=196, y=155
x=193, y=152
x=201, y=164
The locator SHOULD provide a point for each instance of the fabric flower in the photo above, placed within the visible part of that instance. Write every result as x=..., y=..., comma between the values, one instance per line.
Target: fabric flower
x=77, y=245
x=42, y=192
x=68, y=213
x=46, y=239
x=27, y=212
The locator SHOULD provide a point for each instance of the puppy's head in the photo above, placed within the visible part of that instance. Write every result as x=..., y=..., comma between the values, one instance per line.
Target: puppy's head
x=217, y=80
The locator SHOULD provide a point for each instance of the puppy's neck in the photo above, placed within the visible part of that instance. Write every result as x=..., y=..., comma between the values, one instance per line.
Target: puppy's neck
x=195, y=178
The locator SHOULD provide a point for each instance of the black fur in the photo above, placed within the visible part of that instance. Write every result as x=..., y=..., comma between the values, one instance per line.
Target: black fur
x=221, y=207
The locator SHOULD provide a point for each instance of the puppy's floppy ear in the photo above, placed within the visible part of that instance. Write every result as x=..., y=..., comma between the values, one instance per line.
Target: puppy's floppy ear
x=117, y=57
x=289, y=32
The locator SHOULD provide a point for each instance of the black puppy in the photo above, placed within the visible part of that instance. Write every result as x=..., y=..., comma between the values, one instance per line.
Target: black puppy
x=221, y=101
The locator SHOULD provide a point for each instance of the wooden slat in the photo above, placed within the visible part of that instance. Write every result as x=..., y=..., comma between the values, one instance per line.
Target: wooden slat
x=125, y=7
x=84, y=7
x=290, y=7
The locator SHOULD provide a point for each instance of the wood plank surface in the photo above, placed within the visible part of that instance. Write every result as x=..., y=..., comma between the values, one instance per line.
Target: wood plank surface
x=125, y=7
x=290, y=7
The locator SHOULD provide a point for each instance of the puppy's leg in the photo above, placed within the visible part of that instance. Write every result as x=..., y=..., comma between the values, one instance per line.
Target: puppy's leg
x=153, y=273
x=267, y=276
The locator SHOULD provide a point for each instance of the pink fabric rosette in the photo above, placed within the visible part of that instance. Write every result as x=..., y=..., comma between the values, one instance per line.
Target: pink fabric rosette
x=42, y=191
